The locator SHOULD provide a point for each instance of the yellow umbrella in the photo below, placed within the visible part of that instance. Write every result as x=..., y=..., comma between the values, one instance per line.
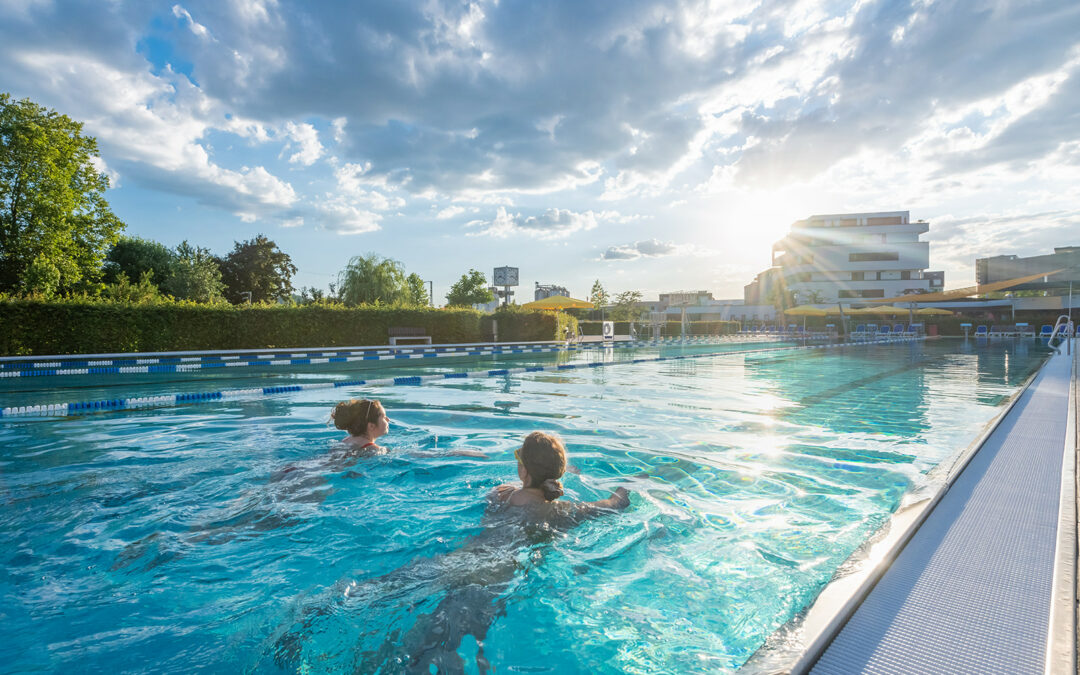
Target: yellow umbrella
x=558, y=302
x=805, y=310
x=885, y=310
x=933, y=311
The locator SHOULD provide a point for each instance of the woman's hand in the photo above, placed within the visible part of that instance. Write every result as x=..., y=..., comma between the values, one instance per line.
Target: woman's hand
x=620, y=499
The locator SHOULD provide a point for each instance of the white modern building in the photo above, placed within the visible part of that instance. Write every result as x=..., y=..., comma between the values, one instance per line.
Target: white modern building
x=849, y=257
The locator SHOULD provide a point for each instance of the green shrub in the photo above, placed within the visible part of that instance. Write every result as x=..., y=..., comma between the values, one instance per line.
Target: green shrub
x=670, y=328
x=85, y=326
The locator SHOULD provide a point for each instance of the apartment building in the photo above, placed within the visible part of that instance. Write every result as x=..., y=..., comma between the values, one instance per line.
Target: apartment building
x=849, y=257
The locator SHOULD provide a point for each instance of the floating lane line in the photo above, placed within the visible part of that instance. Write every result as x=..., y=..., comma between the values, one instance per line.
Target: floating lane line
x=191, y=364
x=169, y=400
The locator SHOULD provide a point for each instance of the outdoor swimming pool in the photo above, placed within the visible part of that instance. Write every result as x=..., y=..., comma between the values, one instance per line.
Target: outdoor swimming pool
x=233, y=535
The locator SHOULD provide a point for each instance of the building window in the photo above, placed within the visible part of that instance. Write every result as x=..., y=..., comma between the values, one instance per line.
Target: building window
x=858, y=276
x=905, y=275
x=866, y=293
x=873, y=256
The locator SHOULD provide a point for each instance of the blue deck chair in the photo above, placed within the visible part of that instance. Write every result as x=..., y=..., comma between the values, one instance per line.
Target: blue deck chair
x=910, y=330
x=980, y=331
x=1046, y=331
x=898, y=328
x=860, y=329
x=884, y=330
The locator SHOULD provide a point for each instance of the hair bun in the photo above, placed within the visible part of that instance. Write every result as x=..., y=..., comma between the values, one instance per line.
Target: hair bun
x=552, y=489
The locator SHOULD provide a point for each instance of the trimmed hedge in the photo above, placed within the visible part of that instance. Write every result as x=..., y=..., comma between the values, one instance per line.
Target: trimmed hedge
x=30, y=327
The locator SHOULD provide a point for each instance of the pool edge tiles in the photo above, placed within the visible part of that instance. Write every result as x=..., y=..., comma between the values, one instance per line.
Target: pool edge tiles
x=796, y=646
x=54, y=410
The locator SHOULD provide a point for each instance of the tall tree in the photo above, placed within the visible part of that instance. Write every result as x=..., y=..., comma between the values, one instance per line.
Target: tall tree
x=471, y=289
x=54, y=217
x=598, y=296
x=418, y=292
x=259, y=267
x=132, y=256
x=626, y=308
x=195, y=275
x=371, y=278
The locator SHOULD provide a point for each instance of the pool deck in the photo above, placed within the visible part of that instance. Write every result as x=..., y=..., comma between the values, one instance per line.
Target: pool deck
x=987, y=583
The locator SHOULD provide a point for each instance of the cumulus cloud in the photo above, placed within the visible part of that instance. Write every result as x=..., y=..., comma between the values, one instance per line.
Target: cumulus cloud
x=305, y=146
x=647, y=248
x=552, y=224
x=449, y=212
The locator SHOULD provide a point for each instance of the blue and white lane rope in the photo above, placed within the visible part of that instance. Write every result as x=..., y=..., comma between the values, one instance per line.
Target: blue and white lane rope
x=190, y=364
x=167, y=400
x=172, y=358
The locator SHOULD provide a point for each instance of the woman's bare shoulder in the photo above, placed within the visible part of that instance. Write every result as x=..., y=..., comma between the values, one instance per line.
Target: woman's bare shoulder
x=501, y=493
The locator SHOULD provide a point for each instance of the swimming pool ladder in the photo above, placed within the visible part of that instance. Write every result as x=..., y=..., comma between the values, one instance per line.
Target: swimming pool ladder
x=1062, y=330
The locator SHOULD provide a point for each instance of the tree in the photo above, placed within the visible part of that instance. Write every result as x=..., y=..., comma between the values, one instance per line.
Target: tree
x=259, y=267
x=418, y=292
x=471, y=289
x=814, y=298
x=598, y=296
x=54, y=219
x=194, y=275
x=626, y=308
x=132, y=256
x=370, y=278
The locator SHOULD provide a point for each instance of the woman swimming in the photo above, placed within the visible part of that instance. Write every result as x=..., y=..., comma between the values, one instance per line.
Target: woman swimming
x=474, y=581
x=366, y=420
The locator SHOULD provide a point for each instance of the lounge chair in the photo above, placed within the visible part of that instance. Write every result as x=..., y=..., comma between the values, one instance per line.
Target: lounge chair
x=898, y=328
x=910, y=331
x=884, y=330
x=980, y=331
x=1046, y=331
x=1024, y=329
x=997, y=331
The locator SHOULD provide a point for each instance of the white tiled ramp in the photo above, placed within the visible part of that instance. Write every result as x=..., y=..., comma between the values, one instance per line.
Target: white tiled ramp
x=971, y=591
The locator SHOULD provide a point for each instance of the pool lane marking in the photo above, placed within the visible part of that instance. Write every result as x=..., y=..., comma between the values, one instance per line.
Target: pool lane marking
x=62, y=409
x=190, y=364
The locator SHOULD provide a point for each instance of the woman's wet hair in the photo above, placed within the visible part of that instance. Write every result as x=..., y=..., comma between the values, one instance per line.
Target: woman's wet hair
x=544, y=457
x=355, y=414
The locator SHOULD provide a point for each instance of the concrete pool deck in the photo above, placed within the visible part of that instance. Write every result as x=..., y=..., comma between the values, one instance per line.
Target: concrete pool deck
x=986, y=581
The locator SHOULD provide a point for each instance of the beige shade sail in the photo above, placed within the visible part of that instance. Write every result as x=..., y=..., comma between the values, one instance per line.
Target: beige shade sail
x=805, y=310
x=558, y=302
x=968, y=291
x=933, y=311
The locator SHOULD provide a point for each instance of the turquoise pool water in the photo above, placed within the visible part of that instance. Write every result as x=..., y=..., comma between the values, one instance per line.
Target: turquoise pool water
x=235, y=536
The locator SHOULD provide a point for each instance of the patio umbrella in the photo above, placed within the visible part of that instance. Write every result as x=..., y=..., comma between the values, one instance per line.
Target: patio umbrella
x=884, y=310
x=558, y=302
x=933, y=311
x=805, y=311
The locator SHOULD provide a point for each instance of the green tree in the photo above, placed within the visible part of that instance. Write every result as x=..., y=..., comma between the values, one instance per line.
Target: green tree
x=53, y=213
x=626, y=308
x=813, y=297
x=598, y=296
x=194, y=275
x=259, y=267
x=131, y=256
x=471, y=289
x=418, y=292
x=370, y=278
x=143, y=292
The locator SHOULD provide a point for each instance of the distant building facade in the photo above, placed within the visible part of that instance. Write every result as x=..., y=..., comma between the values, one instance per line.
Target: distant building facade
x=546, y=291
x=851, y=257
x=1004, y=267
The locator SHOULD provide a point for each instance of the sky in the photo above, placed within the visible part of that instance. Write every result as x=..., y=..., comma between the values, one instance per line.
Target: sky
x=654, y=146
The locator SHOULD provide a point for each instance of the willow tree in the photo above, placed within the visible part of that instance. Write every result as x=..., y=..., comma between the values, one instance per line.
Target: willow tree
x=370, y=278
x=55, y=223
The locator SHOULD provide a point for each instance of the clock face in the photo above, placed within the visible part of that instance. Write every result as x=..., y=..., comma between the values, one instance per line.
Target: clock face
x=505, y=276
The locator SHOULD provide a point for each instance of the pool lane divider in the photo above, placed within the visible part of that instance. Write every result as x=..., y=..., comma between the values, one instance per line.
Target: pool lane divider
x=190, y=364
x=169, y=400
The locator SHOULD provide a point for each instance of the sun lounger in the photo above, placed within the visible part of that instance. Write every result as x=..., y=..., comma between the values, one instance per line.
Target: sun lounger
x=998, y=331
x=898, y=328
x=884, y=330
x=1046, y=331
x=980, y=331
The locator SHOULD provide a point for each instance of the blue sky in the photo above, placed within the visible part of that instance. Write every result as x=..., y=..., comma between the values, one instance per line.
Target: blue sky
x=656, y=146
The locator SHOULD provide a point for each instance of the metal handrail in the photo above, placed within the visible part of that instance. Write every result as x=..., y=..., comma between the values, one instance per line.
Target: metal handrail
x=1061, y=324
